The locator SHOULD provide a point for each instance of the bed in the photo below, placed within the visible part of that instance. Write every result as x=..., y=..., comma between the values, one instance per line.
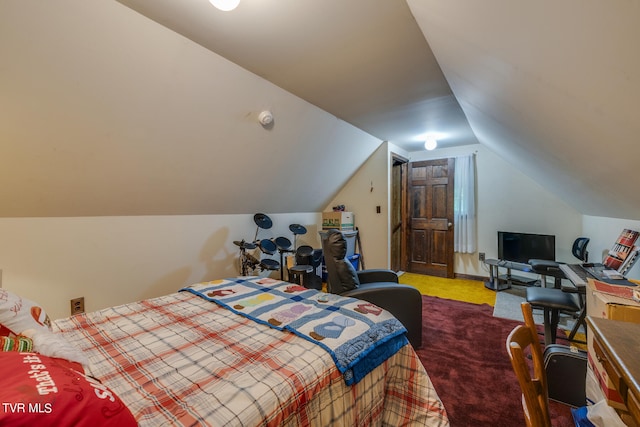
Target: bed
x=199, y=357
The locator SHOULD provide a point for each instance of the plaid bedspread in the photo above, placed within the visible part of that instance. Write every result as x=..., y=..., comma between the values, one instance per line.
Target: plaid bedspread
x=180, y=360
x=358, y=335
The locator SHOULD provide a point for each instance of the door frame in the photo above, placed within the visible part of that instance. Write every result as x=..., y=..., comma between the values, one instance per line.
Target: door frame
x=398, y=250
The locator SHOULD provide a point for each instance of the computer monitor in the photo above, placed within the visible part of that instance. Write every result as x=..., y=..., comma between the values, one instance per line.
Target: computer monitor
x=521, y=247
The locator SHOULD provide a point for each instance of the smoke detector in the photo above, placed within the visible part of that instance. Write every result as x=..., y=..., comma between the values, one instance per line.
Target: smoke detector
x=265, y=118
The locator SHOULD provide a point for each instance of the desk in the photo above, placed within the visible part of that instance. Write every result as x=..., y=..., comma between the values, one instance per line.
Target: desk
x=500, y=283
x=616, y=345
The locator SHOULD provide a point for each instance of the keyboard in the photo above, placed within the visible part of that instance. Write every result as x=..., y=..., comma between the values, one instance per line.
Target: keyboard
x=576, y=273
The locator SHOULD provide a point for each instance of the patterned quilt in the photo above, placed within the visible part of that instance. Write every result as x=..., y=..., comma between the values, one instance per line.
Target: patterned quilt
x=358, y=335
x=179, y=360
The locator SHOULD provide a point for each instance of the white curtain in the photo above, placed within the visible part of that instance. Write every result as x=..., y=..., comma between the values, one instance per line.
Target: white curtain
x=464, y=205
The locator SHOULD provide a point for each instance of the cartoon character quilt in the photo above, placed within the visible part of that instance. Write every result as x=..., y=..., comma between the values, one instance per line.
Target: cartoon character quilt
x=358, y=335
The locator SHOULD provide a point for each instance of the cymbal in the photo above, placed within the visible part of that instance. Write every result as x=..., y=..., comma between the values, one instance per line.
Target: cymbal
x=244, y=245
x=297, y=229
x=262, y=220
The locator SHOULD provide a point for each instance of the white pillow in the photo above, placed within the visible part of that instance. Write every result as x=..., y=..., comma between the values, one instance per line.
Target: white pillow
x=18, y=314
x=55, y=345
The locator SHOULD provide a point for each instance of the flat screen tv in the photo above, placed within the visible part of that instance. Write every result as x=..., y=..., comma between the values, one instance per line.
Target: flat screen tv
x=521, y=247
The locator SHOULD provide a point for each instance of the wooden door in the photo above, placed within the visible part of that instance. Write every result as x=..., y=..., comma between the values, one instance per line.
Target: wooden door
x=430, y=234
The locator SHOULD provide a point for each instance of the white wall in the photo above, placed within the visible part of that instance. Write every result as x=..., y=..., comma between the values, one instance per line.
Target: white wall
x=603, y=233
x=510, y=201
x=507, y=201
x=114, y=260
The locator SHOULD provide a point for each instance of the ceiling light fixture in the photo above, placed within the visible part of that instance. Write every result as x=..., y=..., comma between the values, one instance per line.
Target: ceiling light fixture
x=225, y=5
x=430, y=143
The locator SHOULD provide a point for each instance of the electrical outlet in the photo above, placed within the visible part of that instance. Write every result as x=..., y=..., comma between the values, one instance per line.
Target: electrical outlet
x=481, y=256
x=77, y=305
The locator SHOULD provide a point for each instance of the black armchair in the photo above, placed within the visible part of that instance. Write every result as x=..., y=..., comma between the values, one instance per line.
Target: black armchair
x=379, y=287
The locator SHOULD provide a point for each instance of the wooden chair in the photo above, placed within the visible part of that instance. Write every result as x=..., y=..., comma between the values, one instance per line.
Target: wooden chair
x=521, y=341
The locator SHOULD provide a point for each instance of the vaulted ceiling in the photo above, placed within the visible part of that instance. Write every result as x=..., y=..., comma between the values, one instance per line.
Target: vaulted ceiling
x=364, y=61
x=551, y=87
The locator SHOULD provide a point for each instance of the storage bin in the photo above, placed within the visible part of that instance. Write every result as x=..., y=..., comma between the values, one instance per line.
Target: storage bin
x=355, y=261
x=349, y=236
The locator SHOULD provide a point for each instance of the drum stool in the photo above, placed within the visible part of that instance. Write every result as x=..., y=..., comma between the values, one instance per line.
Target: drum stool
x=297, y=273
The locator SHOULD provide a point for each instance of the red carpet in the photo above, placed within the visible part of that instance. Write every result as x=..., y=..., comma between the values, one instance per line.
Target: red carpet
x=463, y=350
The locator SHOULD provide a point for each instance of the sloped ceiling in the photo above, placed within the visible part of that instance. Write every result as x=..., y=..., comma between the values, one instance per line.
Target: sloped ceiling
x=105, y=112
x=364, y=61
x=552, y=87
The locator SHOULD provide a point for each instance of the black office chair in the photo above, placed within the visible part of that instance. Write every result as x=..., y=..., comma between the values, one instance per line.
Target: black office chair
x=555, y=300
x=552, y=268
x=579, y=249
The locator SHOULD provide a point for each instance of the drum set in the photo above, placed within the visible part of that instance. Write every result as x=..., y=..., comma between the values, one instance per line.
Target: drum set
x=268, y=246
